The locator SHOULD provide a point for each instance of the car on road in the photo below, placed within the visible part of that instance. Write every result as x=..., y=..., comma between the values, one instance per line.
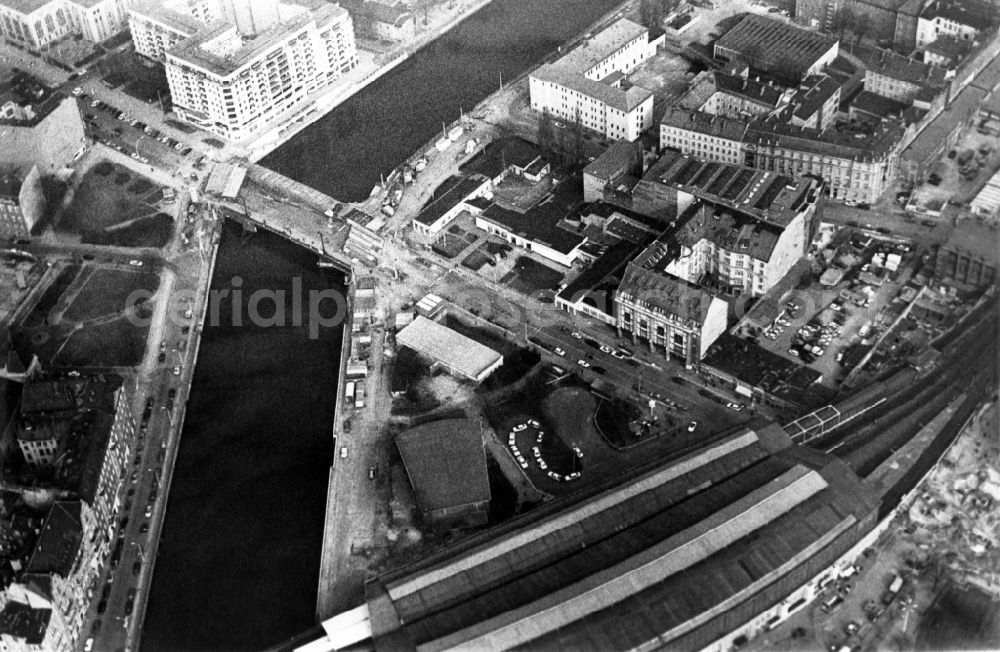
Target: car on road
x=576, y=335
x=606, y=349
x=149, y=511
x=144, y=528
x=597, y=369
x=171, y=393
x=579, y=453
x=583, y=363
x=533, y=423
x=136, y=567
x=734, y=406
x=89, y=645
x=678, y=380
x=177, y=370
x=851, y=628
x=343, y=453
x=692, y=426
x=95, y=627
x=560, y=124
x=558, y=351
x=149, y=403
x=618, y=354
x=135, y=262
x=519, y=427
x=102, y=606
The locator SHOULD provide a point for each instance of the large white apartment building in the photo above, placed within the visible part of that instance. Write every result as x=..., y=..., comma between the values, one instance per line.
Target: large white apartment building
x=588, y=85
x=36, y=24
x=235, y=83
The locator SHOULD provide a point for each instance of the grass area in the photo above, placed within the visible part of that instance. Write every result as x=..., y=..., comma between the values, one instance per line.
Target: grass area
x=119, y=343
x=476, y=259
x=106, y=293
x=529, y=276
x=130, y=73
x=109, y=195
x=152, y=231
x=452, y=242
x=50, y=297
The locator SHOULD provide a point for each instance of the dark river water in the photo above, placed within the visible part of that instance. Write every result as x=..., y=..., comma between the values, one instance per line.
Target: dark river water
x=343, y=153
x=239, y=560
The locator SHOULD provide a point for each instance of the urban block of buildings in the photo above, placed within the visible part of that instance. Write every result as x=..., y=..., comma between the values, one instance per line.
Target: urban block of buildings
x=36, y=24
x=48, y=132
x=22, y=204
x=589, y=84
x=75, y=434
x=236, y=68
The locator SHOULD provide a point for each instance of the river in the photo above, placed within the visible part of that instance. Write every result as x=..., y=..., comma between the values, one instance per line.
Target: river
x=380, y=127
x=239, y=557
x=239, y=560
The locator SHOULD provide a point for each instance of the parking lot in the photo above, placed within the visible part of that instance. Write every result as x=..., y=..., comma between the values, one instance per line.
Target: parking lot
x=829, y=327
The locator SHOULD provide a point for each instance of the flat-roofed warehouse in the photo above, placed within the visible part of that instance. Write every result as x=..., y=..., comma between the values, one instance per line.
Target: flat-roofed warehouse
x=777, y=47
x=692, y=554
x=457, y=353
x=446, y=463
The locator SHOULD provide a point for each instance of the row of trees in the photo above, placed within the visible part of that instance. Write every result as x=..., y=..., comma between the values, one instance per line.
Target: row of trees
x=652, y=12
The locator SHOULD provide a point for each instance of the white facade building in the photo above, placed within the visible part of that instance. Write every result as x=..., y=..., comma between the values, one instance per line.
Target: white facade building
x=586, y=85
x=38, y=24
x=238, y=84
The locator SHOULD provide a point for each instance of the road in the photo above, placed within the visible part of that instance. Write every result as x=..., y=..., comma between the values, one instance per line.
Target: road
x=114, y=615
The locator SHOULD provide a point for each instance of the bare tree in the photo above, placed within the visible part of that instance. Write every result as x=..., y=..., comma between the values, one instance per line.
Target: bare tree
x=546, y=134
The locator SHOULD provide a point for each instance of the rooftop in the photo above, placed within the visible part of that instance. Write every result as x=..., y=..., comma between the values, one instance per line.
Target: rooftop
x=773, y=44
x=812, y=94
x=446, y=463
x=220, y=50
x=592, y=51
x=621, y=157
x=974, y=13
x=25, y=6
x=571, y=69
x=751, y=89
x=452, y=349
x=764, y=196
x=449, y=195
x=165, y=14
x=59, y=541
x=928, y=141
x=618, y=566
x=950, y=47
x=544, y=222
x=896, y=66
x=21, y=621
x=645, y=278
x=877, y=105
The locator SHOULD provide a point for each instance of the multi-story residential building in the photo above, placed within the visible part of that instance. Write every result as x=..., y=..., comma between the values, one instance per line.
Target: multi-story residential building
x=901, y=78
x=384, y=21
x=670, y=315
x=776, y=47
x=22, y=204
x=89, y=424
x=156, y=26
x=961, y=19
x=585, y=85
x=739, y=96
x=738, y=230
x=238, y=83
x=36, y=25
x=815, y=103
x=60, y=575
x=856, y=165
x=703, y=135
x=49, y=135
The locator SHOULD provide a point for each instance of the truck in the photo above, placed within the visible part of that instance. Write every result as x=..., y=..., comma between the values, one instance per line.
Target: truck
x=894, y=587
x=349, y=391
x=359, y=396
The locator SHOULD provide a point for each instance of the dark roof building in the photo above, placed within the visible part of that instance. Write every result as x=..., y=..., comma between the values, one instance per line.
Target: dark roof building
x=446, y=463
x=58, y=545
x=24, y=623
x=777, y=47
x=690, y=553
